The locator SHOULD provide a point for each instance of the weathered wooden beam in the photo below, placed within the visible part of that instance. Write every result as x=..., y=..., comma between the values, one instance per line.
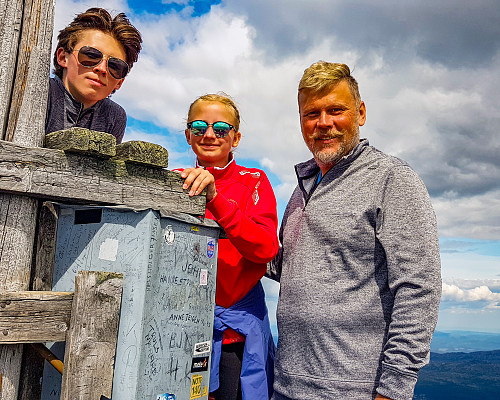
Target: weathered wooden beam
x=30, y=382
x=92, y=337
x=55, y=175
x=34, y=317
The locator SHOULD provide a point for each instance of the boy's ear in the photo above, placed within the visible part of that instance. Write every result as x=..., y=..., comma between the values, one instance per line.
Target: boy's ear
x=119, y=84
x=62, y=57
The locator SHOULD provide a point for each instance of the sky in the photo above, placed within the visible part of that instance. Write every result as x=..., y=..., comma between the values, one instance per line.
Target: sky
x=428, y=72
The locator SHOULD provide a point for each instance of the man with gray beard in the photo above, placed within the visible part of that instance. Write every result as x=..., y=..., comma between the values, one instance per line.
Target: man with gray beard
x=359, y=262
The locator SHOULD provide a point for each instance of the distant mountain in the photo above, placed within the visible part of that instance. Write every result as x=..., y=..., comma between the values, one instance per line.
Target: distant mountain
x=463, y=341
x=460, y=376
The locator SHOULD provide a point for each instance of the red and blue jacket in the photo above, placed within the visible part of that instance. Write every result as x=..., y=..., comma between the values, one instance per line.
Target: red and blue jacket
x=245, y=206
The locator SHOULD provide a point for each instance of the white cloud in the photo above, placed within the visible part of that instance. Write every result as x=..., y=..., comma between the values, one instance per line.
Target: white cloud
x=466, y=284
x=480, y=293
x=184, y=58
x=429, y=77
x=474, y=216
x=439, y=116
x=214, y=53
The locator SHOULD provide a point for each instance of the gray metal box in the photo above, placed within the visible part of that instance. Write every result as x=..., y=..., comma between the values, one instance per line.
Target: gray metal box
x=169, y=265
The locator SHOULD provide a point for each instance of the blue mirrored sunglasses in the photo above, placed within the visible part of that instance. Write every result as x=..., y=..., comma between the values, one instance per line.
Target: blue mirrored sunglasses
x=221, y=129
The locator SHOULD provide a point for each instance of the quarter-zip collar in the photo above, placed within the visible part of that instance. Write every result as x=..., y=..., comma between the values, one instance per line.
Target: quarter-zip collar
x=308, y=171
x=74, y=110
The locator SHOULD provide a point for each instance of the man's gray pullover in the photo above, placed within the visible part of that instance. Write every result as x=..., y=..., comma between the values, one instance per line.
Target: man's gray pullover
x=360, y=280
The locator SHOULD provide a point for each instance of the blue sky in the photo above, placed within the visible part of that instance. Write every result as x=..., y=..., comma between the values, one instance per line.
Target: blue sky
x=428, y=73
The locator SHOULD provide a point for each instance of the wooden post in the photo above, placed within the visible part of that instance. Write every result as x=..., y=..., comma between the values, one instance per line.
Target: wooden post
x=11, y=13
x=30, y=385
x=92, y=336
x=26, y=33
x=28, y=100
x=17, y=228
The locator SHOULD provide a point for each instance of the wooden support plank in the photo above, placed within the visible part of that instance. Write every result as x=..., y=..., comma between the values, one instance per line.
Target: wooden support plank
x=92, y=337
x=34, y=317
x=17, y=231
x=56, y=175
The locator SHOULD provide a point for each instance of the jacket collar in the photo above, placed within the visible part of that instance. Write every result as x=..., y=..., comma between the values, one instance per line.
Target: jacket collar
x=310, y=168
x=221, y=172
x=69, y=101
x=308, y=171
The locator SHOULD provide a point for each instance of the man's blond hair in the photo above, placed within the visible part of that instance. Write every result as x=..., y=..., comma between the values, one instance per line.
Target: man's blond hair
x=322, y=76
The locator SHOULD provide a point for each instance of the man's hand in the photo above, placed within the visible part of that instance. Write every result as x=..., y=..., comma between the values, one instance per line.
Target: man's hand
x=199, y=179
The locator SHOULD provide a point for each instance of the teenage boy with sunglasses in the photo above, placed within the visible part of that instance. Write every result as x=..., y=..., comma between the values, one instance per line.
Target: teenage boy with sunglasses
x=94, y=54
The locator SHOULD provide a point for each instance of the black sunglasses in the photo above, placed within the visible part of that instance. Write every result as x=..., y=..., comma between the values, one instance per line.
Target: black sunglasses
x=89, y=57
x=221, y=129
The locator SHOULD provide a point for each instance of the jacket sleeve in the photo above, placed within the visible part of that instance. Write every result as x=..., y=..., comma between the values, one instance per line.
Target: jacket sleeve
x=274, y=268
x=407, y=231
x=251, y=227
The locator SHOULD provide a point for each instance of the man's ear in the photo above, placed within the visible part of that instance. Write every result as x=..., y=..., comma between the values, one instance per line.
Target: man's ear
x=188, y=136
x=362, y=114
x=62, y=57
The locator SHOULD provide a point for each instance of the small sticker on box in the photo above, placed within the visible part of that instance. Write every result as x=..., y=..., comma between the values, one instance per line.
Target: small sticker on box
x=204, y=277
x=210, y=247
x=108, y=250
x=202, y=348
x=199, y=364
x=166, y=396
x=196, y=381
x=169, y=235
